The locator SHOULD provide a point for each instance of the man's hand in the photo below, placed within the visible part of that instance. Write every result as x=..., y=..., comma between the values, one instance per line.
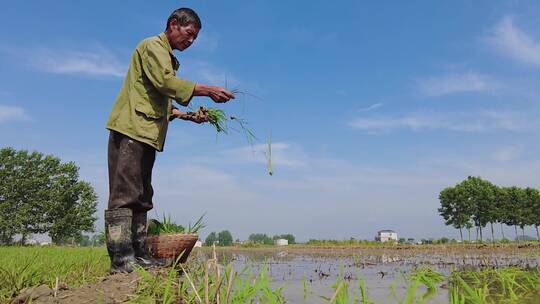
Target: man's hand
x=200, y=116
x=218, y=94
x=197, y=117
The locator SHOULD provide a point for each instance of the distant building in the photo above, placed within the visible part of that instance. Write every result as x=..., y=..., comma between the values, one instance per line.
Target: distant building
x=282, y=242
x=198, y=244
x=31, y=242
x=386, y=235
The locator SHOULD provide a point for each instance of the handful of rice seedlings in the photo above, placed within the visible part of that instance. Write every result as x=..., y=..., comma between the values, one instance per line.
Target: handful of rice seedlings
x=218, y=119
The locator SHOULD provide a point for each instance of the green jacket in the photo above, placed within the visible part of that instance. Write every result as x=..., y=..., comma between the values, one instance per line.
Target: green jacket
x=143, y=107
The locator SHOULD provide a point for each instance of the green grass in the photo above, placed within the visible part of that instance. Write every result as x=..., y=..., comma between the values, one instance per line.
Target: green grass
x=22, y=267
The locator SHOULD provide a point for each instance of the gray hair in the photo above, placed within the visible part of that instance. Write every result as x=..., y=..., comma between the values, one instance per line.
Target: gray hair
x=184, y=16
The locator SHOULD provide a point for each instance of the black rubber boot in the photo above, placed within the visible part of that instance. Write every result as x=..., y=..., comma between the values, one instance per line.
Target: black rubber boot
x=119, y=239
x=142, y=256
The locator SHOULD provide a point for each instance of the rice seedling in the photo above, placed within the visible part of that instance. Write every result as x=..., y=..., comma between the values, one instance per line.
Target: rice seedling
x=341, y=291
x=305, y=288
x=208, y=282
x=197, y=226
x=167, y=225
x=363, y=290
x=425, y=277
x=218, y=119
x=250, y=136
x=505, y=285
x=268, y=155
x=245, y=93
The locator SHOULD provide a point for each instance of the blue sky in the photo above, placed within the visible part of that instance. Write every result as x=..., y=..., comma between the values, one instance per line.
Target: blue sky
x=373, y=108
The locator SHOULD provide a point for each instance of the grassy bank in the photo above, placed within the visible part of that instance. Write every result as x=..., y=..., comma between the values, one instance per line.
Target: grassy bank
x=22, y=267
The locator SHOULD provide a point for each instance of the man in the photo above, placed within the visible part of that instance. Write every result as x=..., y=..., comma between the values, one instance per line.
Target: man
x=138, y=124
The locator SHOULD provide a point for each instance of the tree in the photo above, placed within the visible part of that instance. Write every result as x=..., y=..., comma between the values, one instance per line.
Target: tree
x=260, y=238
x=514, y=203
x=210, y=239
x=534, y=209
x=99, y=239
x=225, y=238
x=72, y=211
x=480, y=196
x=40, y=194
x=454, y=209
x=501, y=207
x=530, y=205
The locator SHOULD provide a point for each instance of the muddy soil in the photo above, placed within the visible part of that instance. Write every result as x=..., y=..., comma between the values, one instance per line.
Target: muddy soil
x=118, y=288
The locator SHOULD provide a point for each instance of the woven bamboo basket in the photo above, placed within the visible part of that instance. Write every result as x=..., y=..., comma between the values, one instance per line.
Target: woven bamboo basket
x=170, y=246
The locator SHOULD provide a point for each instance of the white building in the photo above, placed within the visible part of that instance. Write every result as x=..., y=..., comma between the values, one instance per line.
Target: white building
x=386, y=235
x=198, y=244
x=282, y=242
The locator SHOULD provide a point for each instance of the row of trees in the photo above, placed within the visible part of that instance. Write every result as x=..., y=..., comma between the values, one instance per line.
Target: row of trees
x=476, y=202
x=223, y=238
x=40, y=194
x=261, y=238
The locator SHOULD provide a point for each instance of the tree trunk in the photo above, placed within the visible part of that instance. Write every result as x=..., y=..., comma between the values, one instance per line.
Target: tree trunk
x=492, y=233
x=537, y=235
x=461, y=233
x=523, y=232
x=502, y=230
x=517, y=238
x=481, y=236
x=23, y=239
x=469, y=229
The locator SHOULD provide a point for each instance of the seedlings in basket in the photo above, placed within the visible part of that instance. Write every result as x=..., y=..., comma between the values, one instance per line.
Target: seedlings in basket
x=199, y=224
x=156, y=227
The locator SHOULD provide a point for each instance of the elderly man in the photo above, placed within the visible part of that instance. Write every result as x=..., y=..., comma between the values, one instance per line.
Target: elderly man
x=138, y=124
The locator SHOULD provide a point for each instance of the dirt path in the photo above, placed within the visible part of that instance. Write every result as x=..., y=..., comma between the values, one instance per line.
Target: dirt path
x=118, y=288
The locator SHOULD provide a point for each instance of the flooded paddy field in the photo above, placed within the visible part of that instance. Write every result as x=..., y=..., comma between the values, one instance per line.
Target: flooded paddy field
x=310, y=274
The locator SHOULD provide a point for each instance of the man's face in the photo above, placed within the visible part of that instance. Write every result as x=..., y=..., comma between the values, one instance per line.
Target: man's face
x=182, y=36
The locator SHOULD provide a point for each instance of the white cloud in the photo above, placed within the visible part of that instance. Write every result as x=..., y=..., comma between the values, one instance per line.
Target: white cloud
x=511, y=172
x=515, y=43
x=508, y=153
x=480, y=121
x=204, y=71
x=98, y=61
x=206, y=42
x=12, y=113
x=454, y=83
x=371, y=107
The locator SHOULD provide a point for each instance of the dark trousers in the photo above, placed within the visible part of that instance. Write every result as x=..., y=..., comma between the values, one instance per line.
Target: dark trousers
x=130, y=173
